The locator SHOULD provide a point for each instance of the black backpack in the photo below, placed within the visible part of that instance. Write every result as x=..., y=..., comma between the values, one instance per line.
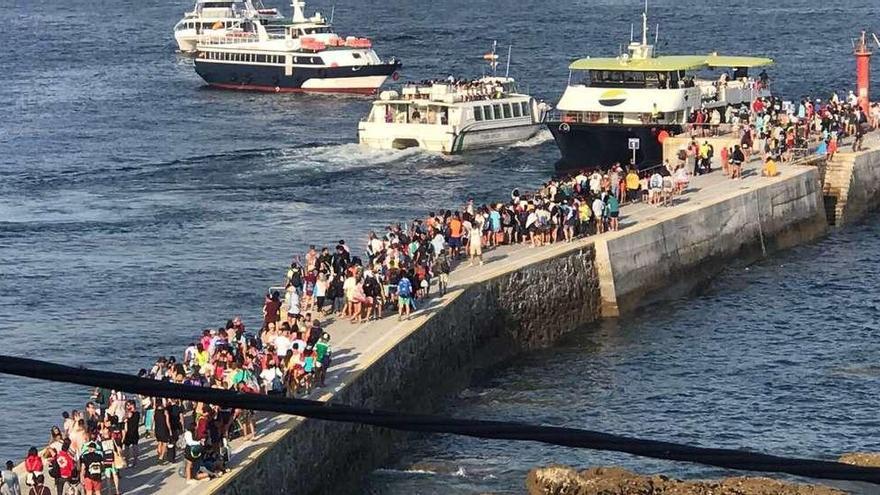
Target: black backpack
x=54, y=472
x=371, y=287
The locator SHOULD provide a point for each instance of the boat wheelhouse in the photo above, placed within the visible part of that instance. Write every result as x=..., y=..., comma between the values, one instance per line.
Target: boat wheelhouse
x=214, y=18
x=303, y=56
x=613, y=105
x=451, y=116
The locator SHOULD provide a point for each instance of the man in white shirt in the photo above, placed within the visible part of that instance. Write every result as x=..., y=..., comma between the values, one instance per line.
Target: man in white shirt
x=282, y=343
x=595, y=182
x=598, y=211
x=271, y=378
x=475, y=239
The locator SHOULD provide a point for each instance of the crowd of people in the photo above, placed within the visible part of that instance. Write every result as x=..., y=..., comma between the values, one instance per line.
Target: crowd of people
x=291, y=352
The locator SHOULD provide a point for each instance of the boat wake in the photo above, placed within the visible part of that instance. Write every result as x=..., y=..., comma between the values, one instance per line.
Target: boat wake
x=541, y=137
x=338, y=157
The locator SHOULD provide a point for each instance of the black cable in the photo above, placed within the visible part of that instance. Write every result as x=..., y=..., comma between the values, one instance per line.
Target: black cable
x=568, y=437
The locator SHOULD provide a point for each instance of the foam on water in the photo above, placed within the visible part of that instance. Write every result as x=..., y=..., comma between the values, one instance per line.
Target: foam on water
x=541, y=137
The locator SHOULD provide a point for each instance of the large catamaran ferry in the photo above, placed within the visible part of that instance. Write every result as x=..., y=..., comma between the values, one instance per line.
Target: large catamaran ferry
x=302, y=56
x=618, y=109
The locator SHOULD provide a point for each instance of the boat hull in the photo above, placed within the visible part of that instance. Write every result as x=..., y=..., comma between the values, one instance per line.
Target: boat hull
x=602, y=145
x=270, y=78
x=442, y=139
x=186, y=42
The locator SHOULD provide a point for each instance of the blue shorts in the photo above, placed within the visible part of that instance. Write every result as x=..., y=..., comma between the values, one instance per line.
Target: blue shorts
x=455, y=242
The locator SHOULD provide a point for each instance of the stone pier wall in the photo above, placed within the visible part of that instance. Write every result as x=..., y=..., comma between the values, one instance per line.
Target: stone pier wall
x=863, y=195
x=666, y=258
x=485, y=323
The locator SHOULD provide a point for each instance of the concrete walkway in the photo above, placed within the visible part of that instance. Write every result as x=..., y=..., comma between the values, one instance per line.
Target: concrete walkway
x=356, y=347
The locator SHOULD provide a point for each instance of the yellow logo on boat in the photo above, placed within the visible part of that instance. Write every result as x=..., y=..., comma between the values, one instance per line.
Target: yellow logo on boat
x=612, y=97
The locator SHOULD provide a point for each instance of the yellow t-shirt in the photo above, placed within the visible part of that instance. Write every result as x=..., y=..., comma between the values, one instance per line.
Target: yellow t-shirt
x=632, y=181
x=770, y=168
x=584, y=212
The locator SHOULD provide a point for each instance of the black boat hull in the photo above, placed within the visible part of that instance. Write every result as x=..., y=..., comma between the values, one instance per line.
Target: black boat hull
x=364, y=79
x=603, y=145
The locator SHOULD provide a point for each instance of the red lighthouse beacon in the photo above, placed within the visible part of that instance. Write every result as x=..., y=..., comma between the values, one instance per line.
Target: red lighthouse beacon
x=863, y=72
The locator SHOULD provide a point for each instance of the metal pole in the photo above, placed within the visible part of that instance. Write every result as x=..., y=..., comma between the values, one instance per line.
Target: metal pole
x=507, y=70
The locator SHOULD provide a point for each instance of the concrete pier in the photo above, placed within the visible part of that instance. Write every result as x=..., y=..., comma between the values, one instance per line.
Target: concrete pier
x=522, y=298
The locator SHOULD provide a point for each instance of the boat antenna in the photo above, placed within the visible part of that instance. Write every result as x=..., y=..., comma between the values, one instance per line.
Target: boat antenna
x=332, y=11
x=632, y=32
x=656, y=34
x=507, y=69
x=645, y=24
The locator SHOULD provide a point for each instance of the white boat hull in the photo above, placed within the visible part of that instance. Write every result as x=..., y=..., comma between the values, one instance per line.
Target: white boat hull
x=186, y=42
x=442, y=139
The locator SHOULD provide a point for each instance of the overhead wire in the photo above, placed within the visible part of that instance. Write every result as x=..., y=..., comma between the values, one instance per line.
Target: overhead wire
x=498, y=430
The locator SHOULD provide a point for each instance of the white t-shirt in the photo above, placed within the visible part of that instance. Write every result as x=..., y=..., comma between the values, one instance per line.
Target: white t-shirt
x=292, y=302
x=595, y=182
x=269, y=375
x=282, y=345
x=349, y=287
x=438, y=241
x=598, y=207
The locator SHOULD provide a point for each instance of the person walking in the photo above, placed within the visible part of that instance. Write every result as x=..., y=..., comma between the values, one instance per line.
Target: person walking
x=9, y=484
x=39, y=488
x=475, y=247
x=91, y=469
x=65, y=465
x=441, y=269
x=130, y=434
x=404, y=296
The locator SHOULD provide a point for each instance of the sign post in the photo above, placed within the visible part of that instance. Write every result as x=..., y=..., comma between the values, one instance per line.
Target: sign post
x=634, y=144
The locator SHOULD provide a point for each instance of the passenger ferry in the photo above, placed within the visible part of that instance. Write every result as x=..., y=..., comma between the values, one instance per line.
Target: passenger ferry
x=452, y=116
x=616, y=110
x=305, y=56
x=214, y=18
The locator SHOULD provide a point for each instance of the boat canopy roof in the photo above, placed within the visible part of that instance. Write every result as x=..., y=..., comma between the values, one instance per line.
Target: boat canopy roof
x=668, y=63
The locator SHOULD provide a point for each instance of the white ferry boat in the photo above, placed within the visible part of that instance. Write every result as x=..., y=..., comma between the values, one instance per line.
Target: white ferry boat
x=303, y=56
x=615, y=109
x=215, y=18
x=451, y=117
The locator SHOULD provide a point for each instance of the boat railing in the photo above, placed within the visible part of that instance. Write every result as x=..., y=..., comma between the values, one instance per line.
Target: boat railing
x=230, y=38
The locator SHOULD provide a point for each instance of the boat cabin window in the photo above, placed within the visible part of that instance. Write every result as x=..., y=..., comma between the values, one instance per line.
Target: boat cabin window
x=395, y=113
x=496, y=109
x=526, y=109
x=487, y=112
x=507, y=113
x=356, y=55
x=478, y=113
x=615, y=117
x=516, y=110
x=633, y=79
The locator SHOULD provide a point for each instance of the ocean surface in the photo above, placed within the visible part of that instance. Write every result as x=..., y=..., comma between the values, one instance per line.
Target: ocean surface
x=138, y=207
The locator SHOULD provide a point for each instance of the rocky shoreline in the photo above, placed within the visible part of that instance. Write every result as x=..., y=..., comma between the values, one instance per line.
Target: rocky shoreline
x=563, y=480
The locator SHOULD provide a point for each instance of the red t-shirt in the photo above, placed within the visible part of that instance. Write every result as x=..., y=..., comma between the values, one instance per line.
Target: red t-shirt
x=65, y=464
x=33, y=464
